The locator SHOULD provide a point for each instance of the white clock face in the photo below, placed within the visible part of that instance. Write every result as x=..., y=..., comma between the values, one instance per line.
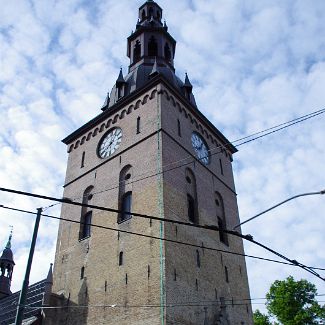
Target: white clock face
x=201, y=148
x=109, y=143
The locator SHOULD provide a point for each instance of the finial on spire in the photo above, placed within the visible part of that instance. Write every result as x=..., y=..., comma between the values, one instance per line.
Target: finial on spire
x=10, y=237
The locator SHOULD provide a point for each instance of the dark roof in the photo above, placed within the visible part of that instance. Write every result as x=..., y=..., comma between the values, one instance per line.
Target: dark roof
x=8, y=305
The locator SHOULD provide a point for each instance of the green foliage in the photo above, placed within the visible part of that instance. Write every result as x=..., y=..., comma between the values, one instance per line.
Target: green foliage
x=260, y=319
x=293, y=302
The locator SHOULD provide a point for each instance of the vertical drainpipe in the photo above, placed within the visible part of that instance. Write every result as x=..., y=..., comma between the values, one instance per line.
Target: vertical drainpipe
x=161, y=213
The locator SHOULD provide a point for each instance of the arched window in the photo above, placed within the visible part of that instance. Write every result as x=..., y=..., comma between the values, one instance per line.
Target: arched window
x=143, y=14
x=152, y=47
x=150, y=11
x=125, y=193
x=86, y=214
x=158, y=15
x=126, y=206
x=221, y=218
x=137, y=51
x=192, y=206
x=168, y=54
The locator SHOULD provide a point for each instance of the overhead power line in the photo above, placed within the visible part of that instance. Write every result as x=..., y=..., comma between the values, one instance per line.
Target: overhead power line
x=256, y=135
x=207, y=227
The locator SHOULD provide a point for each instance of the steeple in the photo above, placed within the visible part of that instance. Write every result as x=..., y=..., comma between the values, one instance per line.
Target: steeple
x=6, y=269
x=151, y=50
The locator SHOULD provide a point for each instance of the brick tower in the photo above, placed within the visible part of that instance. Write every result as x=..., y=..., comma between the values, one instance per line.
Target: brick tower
x=150, y=151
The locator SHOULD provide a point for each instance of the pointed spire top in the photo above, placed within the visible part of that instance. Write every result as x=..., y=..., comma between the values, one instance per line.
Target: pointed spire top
x=49, y=278
x=187, y=83
x=155, y=69
x=120, y=78
x=8, y=246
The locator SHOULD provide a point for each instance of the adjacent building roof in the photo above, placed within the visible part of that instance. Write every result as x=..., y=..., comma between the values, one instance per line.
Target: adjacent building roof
x=8, y=305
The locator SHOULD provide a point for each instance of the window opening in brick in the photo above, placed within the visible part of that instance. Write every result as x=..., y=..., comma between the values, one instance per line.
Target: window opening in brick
x=137, y=51
x=221, y=166
x=179, y=128
x=152, y=47
x=126, y=206
x=175, y=275
x=221, y=259
x=120, y=259
x=176, y=231
x=118, y=235
x=226, y=274
x=86, y=215
x=126, y=278
x=190, y=208
x=198, y=260
x=247, y=309
x=82, y=273
x=83, y=160
x=221, y=218
x=143, y=14
x=168, y=54
x=138, y=124
x=148, y=271
x=105, y=286
x=216, y=293
x=196, y=285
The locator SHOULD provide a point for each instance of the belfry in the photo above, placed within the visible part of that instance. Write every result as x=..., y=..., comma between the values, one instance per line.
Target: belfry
x=163, y=170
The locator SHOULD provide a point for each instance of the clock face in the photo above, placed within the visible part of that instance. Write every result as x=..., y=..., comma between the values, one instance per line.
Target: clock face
x=201, y=148
x=109, y=143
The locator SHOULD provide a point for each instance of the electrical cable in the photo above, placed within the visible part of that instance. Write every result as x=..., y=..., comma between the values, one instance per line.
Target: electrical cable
x=220, y=147
x=155, y=237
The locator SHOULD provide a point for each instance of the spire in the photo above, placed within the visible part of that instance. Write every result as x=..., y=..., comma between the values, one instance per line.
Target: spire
x=49, y=278
x=187, y=83
x=120, y=80
x=106, y=103
x=8, y=246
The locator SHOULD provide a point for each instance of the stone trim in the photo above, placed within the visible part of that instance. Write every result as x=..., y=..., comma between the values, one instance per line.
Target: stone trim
x=112, y=120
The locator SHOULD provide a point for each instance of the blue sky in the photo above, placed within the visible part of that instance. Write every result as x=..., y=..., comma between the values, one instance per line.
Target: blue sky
x=253, y=64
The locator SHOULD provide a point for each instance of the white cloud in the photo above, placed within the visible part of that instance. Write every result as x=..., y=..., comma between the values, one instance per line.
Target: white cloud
x=254, y=64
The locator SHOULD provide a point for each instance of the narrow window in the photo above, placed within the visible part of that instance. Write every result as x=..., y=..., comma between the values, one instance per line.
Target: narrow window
x=226, y=274
x=143, y=14
x=158, y=15
x=179, y=128
x=148, y=271
x=82, y=273
x=175, y=275
x=126, y=278
x=138, y=124
x=126, y=206
x=83, y=160
x=190, y=208
x=105, y=286
x=198, y=260
x=168, y=54
x=222, y=234
x=221, y=219
x=150, y=11
x=137, y=51
x=221, y=166
x=152, y=47
x=120, y=259
x=196, y=285
x=86, y=215
x=119, y=92
x=86, y=229
x=216, y=293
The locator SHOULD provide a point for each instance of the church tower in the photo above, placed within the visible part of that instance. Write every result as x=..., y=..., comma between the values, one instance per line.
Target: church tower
x=6, y=269
x=150, y=151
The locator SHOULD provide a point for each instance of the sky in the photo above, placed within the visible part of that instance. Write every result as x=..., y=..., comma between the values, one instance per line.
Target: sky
x=253, y=64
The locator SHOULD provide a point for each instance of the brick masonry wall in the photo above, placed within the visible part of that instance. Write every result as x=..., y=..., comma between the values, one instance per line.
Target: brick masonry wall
x=104, y=281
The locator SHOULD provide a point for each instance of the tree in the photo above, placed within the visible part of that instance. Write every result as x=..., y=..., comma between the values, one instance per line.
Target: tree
x=260, y=319
x=293, y=302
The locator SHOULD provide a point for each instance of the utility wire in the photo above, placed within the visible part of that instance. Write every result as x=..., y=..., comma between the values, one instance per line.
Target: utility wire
x=150, y=236
x=220, y=148
x=293, y=263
